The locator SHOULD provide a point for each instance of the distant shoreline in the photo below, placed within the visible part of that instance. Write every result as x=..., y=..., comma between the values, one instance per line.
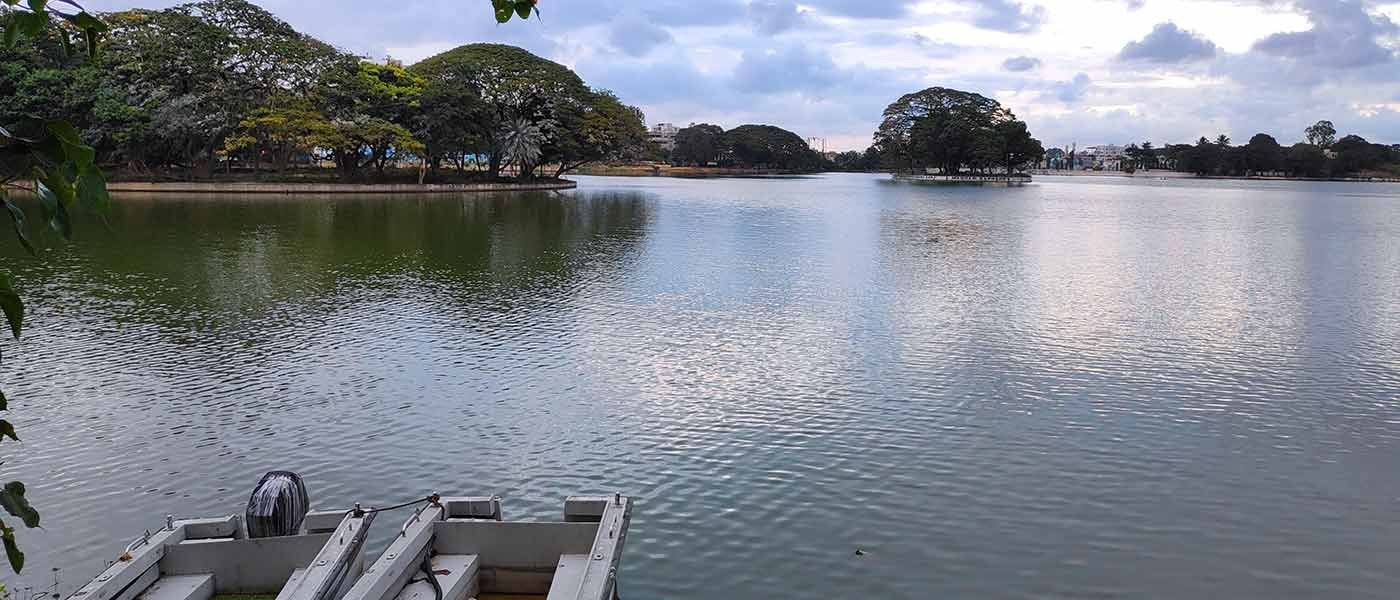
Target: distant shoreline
x=267, y=188
x=669, y=171
x=1179, y=175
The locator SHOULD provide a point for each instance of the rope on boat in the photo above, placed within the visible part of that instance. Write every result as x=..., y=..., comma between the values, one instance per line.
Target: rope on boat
x=431, y=499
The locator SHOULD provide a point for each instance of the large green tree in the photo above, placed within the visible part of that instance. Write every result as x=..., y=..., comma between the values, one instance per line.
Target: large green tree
x=190, y=75
x=1263, y=154
x=946, y=129
x=698, y=145
x=370, y=108
x=512, y=86
x=1321, y=134
x=767, y=146
x=601, y=129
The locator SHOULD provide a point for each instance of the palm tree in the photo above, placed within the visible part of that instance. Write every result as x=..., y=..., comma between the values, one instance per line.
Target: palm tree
x=524, y=143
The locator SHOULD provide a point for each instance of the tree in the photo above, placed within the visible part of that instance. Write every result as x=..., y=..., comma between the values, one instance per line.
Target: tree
x=606, y=129
x=941, y=128
x=1306, y=160
x=767, y=146
x=1263, y=154
x=1355, y=154
x=511, y=84
x=1321, y=134
x=371, y=105
x=698, y=145
x=279, y=133
x=191, y=74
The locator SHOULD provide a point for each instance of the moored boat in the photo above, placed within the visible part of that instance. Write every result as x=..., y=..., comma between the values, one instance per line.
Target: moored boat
x=456, y=548
x=460, y=548
x=276, y=548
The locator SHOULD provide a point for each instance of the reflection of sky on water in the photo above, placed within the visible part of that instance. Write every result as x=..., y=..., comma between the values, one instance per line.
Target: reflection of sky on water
x=1086, y=387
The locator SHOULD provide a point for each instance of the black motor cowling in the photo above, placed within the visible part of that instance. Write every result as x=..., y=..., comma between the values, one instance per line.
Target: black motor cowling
x=278, y=505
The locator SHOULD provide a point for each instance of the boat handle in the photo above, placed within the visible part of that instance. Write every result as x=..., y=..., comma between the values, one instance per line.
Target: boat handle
x=138, y=542
x=403, y=531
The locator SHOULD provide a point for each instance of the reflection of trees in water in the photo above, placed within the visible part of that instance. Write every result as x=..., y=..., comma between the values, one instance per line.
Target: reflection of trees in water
x=219, y=260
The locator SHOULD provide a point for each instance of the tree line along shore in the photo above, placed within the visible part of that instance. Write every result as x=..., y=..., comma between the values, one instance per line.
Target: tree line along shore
x=224, y=90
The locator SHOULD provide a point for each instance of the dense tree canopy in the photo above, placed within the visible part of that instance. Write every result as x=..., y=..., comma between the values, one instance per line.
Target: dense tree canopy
x=507, y=104
x=746, y=146
x=1350, y=156
x=698, y=145
x=767, y=146
x=216, y=82
x=952, y=130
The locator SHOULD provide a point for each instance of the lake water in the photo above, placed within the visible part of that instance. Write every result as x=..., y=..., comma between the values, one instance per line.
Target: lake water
x=1080, y=388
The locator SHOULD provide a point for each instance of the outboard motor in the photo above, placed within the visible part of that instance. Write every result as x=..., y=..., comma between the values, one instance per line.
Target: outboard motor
x=278, y=505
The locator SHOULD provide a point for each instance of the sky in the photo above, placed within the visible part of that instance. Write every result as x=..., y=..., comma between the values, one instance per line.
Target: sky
x=1077, y=71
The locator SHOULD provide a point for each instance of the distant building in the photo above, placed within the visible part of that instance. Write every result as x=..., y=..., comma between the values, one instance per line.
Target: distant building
x=1099, y=158
x=664, y=135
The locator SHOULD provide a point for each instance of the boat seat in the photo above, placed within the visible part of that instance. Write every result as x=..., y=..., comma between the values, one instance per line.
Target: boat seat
x=456, y=574
x=568, y=577
x=180, y=587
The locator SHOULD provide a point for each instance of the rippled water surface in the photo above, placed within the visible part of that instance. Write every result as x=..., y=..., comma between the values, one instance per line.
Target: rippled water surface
x=1079, y=388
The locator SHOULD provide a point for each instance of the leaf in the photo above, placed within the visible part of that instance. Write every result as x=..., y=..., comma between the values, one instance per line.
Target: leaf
x=92, y=189
x=522, y=8
x=17, y=216
x=65, y=42
x=11, y=34
x=92, y=37
x=7, y=430
x=7, y=535
x=12, y=498
x=504, y=10
x=12, y=306
x=31, y=24
x=54, y=210
x=73, y=146
x=86, y=22
x=37, y=5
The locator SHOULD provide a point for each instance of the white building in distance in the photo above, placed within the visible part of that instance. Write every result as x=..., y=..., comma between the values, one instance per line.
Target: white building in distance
x=664, y=135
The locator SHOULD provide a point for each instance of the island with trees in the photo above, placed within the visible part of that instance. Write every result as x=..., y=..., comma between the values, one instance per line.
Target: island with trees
x=704, y=149
x=952, y=135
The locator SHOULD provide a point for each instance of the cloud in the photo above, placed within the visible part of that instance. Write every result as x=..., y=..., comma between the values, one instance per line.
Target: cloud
x=1021, y=64
x=1069, y=92
x=636, y=36
x=1168, y=44
x=775, y=16
x=863, y=9
x=790, y=68
x=1008, y=16
x=1343, y=36
x=686, y=13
